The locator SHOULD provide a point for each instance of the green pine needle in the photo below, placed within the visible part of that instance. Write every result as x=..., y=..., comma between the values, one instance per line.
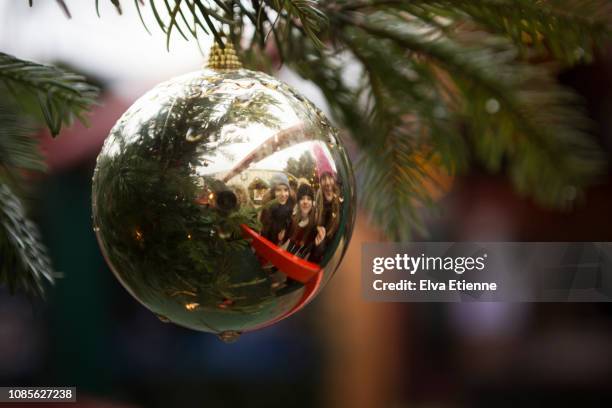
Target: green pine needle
x=24, y=264
x=60, y=96
x=18, y=148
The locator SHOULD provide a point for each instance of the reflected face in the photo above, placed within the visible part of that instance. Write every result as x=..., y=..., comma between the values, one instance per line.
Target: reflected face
x=327, y=185
x=281, y=193
x=305, y=205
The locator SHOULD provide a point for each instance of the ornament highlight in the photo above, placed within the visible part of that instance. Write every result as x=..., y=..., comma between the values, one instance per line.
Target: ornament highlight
x=223, y=201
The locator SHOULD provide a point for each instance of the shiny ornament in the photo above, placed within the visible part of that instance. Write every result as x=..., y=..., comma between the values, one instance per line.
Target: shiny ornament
x=223, y=201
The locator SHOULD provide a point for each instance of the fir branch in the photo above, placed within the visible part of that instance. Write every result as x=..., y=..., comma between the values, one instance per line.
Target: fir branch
x=568, y=30
x=206, y=15
x=312, y=19
x=24, y=265
x=18, y=149
x=173, y=23
x=137, y=5
x=399, y=193
x=517, y=118
x=58, y=96
x=61, y=96
x=305, y=15
x=117, y=5
x=63, y=6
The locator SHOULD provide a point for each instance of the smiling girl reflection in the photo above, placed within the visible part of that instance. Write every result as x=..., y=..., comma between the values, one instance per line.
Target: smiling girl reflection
x=304, y=233
x=277, y=209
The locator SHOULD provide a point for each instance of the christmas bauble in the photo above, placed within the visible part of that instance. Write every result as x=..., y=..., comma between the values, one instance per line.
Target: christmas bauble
x=223, y=201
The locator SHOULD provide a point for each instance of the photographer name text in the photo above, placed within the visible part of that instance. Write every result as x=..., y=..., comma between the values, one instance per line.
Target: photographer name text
x=405, y=263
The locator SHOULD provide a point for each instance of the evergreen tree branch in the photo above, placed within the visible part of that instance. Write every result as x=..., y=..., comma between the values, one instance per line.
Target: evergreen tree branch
x=311, y=18
x=60, y=96
x=57, y=96
x=18, y=149
x=563, y=27
x=502, y=101
x=567, y=30
x=24, y=265
x=509, y=115
x=399, y=192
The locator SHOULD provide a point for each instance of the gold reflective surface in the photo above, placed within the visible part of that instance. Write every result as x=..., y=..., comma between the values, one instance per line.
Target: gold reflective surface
x=195, y=163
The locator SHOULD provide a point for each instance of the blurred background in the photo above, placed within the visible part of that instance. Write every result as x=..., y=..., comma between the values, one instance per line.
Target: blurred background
x=339, y=351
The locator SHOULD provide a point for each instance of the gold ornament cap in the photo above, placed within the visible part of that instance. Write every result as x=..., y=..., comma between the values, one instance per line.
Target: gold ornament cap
x=223, y=59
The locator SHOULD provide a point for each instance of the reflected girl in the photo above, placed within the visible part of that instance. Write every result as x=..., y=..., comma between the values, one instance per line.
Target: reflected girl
x=304, y=233
x=328, y=202
x=277, y=209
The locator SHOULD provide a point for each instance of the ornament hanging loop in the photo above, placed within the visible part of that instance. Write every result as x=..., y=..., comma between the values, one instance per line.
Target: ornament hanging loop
x=223, y=59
